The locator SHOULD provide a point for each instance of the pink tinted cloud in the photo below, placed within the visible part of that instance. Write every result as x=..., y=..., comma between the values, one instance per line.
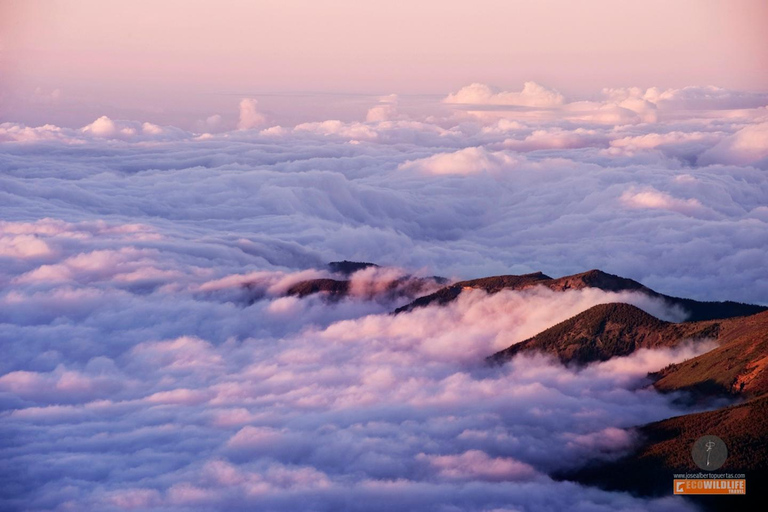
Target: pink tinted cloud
x=477, y=465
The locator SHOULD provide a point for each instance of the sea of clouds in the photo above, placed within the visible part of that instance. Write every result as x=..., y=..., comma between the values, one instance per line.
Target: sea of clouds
x=151, y=360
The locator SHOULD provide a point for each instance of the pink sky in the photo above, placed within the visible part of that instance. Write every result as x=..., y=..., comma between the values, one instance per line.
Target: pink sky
x=175, y=61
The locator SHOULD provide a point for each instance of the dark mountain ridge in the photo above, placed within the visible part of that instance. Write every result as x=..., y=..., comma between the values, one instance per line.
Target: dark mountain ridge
x=665, y=450
x=340, y=286
x=347, y=268
x=696, y=310
x=489, y=284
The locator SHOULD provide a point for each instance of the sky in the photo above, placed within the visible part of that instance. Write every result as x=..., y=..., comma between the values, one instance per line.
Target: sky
x=169, y=169
x=176, y=61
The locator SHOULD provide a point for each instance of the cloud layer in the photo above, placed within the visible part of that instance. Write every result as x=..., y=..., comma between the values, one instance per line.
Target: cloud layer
x=391, y=409
x=153, y=362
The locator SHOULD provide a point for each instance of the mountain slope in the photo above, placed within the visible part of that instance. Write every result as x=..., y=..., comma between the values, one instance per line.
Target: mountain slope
x=665, y=450
x=340, y=284
x=696, y=310
x=335, y=289
x=738, y=366
x=605, y=331
x=490, y=284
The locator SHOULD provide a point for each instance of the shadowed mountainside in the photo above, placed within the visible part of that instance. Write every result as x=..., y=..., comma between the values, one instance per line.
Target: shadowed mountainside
x=665, y=450
x=605, y=331
x=696, y=310
x=337, y=289
x=736, y=368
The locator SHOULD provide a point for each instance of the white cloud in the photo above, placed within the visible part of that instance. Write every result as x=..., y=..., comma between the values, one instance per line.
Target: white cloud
x=102, y=127
x=656, y=200
x=619, y=106
x=250, y=117
x=465, y=161
x=532, y=95
x=23, y=246
x=747, y=146
x=386, y=110
x=211, y=123
x=654, y=140
x=477, y=465
x=355, y=131
x=327, y=413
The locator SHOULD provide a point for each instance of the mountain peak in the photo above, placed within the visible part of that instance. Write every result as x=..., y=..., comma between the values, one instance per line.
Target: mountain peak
x=597, y=334
x=348, y=268
x=596, y=278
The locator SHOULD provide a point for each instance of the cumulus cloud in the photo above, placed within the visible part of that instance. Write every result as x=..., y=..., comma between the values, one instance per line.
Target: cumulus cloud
x=19, y=133
x=23, y=246
x=654, y=199
x=477, y=465
x=464, y=161
x=354, y=131
x=626, y=112
x=532, y=95
x=558, y=138
x=250, y=117
x=386, y=110
x=618, y=106
x=211, y=123
x=671, y=139
x=704, y=98
x=748, y=146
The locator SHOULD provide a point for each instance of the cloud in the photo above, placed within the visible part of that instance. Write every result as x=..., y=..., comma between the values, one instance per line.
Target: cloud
x=250, y=117
x=477, y=465
x=211, y=123
x=154, y=362
x=464, y=161
x=124, y=265
x=532, y=95
x=186, y=353
x=354, y=131
x=705, y=98
x=105, y=127
x=618, y=106
x=386, y=110
x=41, y=96
x=558, y=138
x=23, y=246
x=656, y=200
x=62, y=386
x=747, y=146
x=357, y=408
x=623, y=113
x=655, y=140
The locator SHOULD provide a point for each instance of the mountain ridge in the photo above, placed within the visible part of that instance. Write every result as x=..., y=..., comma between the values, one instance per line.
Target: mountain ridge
x=696, y=310
x=605, y=331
